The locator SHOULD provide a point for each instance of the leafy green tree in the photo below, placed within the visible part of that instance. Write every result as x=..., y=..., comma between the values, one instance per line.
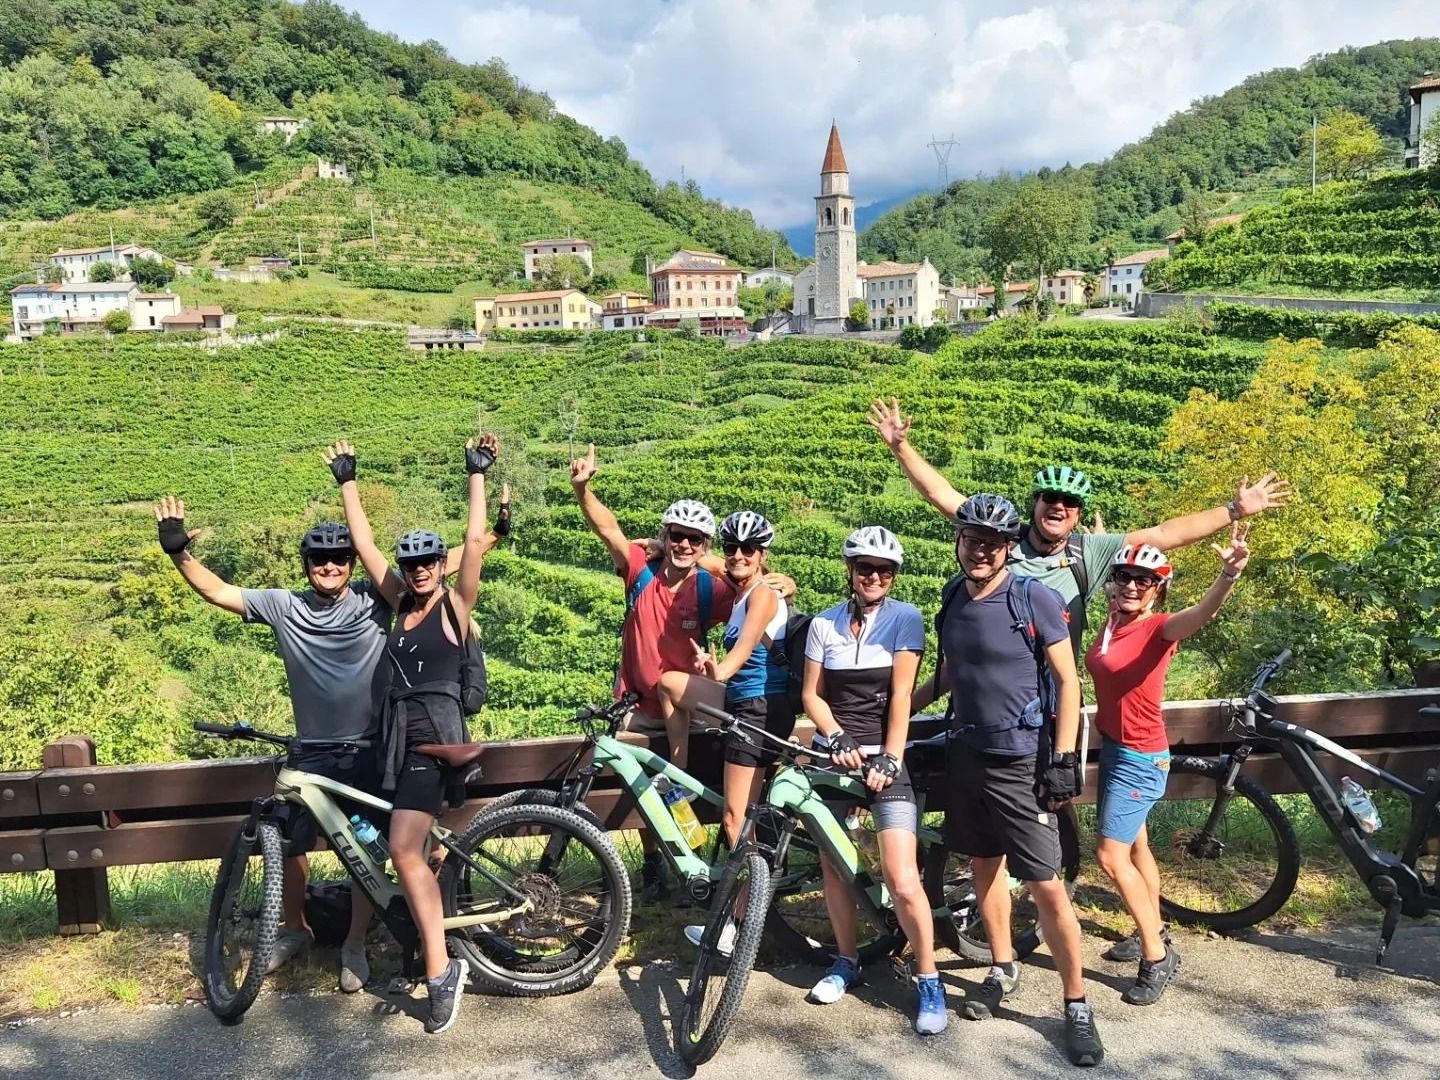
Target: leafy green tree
x=561, y=272
x=53, y=274
x=117, y=321
x=764, y=300
x=460, y=320
x=1430, y=144
x=1346, y=146
x=1195, y=217
x=102, y=271
x=152, y=274
x=859, y=318
x=1037, y=227
x=216, y=210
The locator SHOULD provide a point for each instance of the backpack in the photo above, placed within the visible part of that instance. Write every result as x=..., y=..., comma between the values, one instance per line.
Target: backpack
x=704, y=589
x=1040, y=713
x=791, y=656
x=1075, y=560
x=474, y=679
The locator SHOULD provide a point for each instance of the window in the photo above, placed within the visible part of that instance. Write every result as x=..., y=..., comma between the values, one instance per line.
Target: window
x=689, y=301
x=845, y=215
x=1129, y=288
x=828, y=217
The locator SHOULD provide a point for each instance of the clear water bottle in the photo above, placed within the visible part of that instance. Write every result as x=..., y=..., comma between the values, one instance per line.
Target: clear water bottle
x=866, y=844
x=370, y=838
x=677, y=800
x=1362, y=808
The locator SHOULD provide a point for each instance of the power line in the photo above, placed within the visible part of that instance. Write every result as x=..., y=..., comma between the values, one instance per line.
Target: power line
x=943, y=148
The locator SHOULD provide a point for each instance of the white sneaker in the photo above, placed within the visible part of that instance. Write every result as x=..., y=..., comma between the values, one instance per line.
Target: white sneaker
x=354, y=968
x=287, y=945
x=725, y=946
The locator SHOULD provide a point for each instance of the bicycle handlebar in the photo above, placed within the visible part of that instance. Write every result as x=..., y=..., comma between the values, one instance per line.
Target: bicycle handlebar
x=1268, y=670
x=289, y=742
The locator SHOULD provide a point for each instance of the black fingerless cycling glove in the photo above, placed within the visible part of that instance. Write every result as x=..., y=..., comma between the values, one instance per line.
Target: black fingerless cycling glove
x=886, y=765
x=173, y=537
x=343, y=468
x=1061, y=779
x=478, y=459
x=841, y=743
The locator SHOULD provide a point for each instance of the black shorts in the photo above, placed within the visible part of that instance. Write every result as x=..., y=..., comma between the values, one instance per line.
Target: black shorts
x=774, y=714
x=994, y=810
x=358, y=770
x=420, y=784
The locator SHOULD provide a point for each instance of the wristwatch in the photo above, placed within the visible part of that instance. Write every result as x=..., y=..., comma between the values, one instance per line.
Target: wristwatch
x=1067, y=760
x=1233, y=509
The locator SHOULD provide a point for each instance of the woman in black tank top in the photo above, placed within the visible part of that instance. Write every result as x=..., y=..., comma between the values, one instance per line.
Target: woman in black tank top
x=422, y=705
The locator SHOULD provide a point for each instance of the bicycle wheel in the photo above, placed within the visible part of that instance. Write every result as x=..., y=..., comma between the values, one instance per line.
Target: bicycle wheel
x=717, y=984
x=244, y=918
x=542, y=797
x=1226, y=862
x=569, y=871
x=950, y=883
x=798, y=918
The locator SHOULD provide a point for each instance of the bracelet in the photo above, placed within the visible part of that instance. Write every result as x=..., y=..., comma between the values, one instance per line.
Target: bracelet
x=1232, y=578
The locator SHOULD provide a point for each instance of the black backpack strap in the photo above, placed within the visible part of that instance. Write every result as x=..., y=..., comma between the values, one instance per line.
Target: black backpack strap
x=1022, y=610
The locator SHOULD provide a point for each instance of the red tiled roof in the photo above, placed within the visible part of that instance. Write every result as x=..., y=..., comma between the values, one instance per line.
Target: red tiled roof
x=527, y=297
x=156, y=296
x=1010, y=287
x=185, y=318
x=834, y=155
x=214, y=311
x=1141, y=257
x=1428, y=83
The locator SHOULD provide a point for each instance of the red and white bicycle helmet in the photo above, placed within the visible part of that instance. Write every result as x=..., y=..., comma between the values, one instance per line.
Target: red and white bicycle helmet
x=1143, y=557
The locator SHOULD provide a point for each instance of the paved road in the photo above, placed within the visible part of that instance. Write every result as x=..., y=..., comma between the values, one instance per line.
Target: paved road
x=1274, y=1009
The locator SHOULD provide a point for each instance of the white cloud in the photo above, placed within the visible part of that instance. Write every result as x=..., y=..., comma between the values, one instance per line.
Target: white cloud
x=741, y=93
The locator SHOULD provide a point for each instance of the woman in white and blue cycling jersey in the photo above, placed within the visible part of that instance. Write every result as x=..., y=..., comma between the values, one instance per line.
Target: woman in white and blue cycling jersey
x=861, y=659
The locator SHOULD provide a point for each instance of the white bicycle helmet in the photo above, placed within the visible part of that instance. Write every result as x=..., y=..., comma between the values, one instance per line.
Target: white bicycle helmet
x=1143, y=557
x=747, y=527
x=690, y=514
x=875, y=541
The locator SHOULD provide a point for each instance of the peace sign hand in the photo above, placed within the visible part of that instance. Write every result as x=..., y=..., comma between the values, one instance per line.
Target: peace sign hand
x=1234, y=557
x=705, y=663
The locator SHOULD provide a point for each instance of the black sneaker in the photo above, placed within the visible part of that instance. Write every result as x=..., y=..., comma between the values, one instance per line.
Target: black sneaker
x=1082, y=1041
x=984, y=1001
x=1127, y=950
x=445, y=994
x=652, y=879
x=1153, y=979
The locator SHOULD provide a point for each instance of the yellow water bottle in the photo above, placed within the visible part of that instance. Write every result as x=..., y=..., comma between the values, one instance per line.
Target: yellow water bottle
x=677, y=800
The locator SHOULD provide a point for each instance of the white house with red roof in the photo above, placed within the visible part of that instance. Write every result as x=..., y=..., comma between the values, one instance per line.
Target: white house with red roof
x=1125, y=277
x=1424, y=111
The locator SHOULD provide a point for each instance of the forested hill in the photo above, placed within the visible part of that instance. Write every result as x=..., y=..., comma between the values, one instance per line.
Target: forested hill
x=107, y=102
x=1225, y=143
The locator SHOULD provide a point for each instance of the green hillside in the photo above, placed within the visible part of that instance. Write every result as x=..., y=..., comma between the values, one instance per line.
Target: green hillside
x=1238, y=146
x=113, y=104
x=1380, y=236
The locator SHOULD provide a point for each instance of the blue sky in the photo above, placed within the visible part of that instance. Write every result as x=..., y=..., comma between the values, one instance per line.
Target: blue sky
x=740, y=93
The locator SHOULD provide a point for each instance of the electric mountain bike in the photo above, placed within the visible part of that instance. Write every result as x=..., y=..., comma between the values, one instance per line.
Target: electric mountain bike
x=535, y=900
x=1237, y=862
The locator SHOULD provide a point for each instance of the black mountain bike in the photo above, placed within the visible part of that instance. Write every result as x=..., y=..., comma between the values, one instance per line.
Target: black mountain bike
x=1238, y=863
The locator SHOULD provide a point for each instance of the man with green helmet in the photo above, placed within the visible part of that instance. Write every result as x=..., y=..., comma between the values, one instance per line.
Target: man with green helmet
x=1054, y=547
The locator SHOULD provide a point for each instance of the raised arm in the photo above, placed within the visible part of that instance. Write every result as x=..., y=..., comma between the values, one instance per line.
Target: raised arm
x=1233, y=560
x=341, y=458
x=895, y=430
x=597, y=515
x=174, y=540
x=480, y=454
x=1267, y=493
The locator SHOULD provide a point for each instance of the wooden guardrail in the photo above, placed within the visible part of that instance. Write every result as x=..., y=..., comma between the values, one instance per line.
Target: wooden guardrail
x=77, y=818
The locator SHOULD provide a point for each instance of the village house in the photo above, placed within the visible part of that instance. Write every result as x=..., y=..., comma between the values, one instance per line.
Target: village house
x=623, y=310
x=148, y=310
x=558, y=309
x=901, y=294
x=210, y=319
x=289, y=126
x=76, y=263
x=1424, y=108
x=536, y=251
x=699, y=286
x=960, y=298
x=1124, y=279
x=331, y=170
x=70, y=309
x=770, y=273
x=1015, y=291
x=1064, y=286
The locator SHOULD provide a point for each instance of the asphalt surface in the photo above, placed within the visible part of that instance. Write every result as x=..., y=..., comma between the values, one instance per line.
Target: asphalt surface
x=1274, y=1007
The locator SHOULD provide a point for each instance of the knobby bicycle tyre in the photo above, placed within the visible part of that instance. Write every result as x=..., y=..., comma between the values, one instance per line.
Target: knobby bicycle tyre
x=571, y=872
x=232, y=978
x=541, y=797
x=702, y=1030
x=1230, y=877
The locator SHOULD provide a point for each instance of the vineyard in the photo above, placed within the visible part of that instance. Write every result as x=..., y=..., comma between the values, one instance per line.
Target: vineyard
x=97, y=430
x=1361, y=235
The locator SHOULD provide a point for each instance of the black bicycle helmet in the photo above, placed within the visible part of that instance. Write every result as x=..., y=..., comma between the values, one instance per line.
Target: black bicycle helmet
x=420, y=544
x=993, y=512
x=327, y=536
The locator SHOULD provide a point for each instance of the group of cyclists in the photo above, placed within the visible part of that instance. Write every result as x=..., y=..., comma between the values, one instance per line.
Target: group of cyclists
x=378, y=660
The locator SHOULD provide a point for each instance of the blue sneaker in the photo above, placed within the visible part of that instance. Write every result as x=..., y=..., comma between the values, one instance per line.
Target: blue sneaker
x=843, y=974
x=930, y=1016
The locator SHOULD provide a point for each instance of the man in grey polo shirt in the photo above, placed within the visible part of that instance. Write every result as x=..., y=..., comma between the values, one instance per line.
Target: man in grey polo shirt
x=331, y=638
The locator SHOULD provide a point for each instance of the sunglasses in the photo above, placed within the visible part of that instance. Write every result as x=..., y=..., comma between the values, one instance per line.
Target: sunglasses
x=1065, y=499
x=409, y=566
x=875, y=570
x=748, y=550
x=695, y=540
x=990, y=543
x=1125, y=577
x=331, y=558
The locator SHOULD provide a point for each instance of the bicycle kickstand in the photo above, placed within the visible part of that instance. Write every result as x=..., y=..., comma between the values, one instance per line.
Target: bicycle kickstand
x=1387, y=929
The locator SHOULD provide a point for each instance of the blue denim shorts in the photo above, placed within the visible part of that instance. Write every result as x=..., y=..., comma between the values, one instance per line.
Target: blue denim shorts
x=1130, y=783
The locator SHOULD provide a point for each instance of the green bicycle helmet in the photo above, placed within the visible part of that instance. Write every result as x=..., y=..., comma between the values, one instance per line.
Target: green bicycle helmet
x=1064, y=479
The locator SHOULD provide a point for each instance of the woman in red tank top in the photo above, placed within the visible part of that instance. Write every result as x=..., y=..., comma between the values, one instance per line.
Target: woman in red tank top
x=1128, y=663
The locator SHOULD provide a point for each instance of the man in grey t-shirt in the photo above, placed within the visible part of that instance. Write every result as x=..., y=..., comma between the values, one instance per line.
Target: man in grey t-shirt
x=331, y=638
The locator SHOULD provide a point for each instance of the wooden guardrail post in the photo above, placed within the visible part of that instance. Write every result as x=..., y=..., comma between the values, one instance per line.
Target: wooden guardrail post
x=82, y=897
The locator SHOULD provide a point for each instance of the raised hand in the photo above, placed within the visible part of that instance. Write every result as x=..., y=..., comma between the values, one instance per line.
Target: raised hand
x=886, y=419
x=481, y=453
x=1236, y=555
x=340, y=456
x=170, y=521
x=583, y=469
x=1098, y=527
x=502, y=520
x=1268, y=493
x=705, y=663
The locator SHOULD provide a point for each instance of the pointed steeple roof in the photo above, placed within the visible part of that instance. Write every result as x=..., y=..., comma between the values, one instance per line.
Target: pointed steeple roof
x=834, y=155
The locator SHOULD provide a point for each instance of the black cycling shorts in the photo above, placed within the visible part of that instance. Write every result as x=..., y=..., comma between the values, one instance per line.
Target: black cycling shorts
x=358, y=770
x=774, y=714
x=420, y=784
x=994, y=809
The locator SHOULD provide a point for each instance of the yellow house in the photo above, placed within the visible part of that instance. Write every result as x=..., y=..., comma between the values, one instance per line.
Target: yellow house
x=560, y=309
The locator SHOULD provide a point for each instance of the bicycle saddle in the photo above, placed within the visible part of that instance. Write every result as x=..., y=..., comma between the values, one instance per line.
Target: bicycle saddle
x=455, y=755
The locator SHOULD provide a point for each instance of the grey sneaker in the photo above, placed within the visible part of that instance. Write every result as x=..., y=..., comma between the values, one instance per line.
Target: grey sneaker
x=984, y=1001
x=354, y=968
x=287, y=946
x=1082, y=1040
x=1127, y=950
x=1150, y=983
x=445, y=994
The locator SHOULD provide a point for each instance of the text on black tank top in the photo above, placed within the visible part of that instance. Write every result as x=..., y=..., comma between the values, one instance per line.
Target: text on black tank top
x=423, y=654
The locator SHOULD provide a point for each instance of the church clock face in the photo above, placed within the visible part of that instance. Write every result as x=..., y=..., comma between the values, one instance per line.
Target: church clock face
x=825, y=252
